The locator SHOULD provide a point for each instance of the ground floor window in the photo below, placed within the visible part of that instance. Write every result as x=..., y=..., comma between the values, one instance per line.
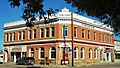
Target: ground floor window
x=41, y=52
x=53, y=52
x=31, y=52
x=76, y=52
x=117, y=56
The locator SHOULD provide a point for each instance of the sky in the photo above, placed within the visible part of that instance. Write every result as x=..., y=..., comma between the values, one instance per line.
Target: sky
x=8, y=14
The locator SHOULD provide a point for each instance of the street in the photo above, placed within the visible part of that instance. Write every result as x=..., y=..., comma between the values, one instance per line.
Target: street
x=105, y=65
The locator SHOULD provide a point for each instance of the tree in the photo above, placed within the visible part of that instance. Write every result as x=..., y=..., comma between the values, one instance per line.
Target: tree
x=108, y=11
x=31, y=8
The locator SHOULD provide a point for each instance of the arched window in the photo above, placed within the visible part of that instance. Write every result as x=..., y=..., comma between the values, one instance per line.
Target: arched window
x=90, y=53
x=41, y=54
x=95, y=53
x=75, y=52
x=53, y=52
x=31, y=52
x=82, y=53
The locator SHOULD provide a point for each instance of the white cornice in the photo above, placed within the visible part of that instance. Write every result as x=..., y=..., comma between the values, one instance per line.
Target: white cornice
x=98, y=43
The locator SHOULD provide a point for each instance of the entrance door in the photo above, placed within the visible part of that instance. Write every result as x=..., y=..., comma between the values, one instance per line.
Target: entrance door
x=65, y=52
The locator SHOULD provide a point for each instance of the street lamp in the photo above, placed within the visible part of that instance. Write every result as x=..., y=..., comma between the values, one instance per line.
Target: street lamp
x=64, y=49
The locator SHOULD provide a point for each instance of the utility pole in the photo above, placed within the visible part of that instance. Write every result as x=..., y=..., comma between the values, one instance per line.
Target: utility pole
x=72, y=39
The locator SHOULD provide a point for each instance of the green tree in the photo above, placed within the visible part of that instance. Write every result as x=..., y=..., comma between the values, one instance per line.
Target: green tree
x=108, y=11
x=31, y=8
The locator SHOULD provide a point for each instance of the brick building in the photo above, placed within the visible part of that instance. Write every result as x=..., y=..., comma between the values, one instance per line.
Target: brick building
x=93, y=41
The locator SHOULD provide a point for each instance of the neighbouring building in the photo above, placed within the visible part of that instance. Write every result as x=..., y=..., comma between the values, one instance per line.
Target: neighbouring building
x=117, y=50
x=93, y=41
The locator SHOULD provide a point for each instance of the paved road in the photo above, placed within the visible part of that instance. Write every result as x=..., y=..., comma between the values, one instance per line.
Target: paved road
x=106, y=65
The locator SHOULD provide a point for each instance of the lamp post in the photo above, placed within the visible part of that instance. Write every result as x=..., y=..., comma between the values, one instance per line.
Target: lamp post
x=72, y=36
x=64, y=49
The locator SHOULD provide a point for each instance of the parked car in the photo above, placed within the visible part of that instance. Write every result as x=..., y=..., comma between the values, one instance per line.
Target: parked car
x=25, y=61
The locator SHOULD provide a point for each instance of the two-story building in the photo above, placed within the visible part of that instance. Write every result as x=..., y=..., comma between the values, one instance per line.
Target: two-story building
x=93, y=41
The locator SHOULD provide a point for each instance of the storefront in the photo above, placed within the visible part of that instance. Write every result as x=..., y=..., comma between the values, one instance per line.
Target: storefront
x=17, y=52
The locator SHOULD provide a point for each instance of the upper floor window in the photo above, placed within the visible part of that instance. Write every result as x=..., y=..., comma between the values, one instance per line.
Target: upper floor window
x=42, y=32
x=109, y=39
x=88, y=34
x=7, y=37
x=65, y=30
x=10, y=36
x=34, y=35
x=19, y=35
x=47, y=32
x=90, y=53
x=13, y=36
x=104, y=38
x=30, y=34
x=82, y=53
x=23, y=35
x=53, y=31
x=83, y=33
x=75, y=31
x=100, y=37
x=94, y=35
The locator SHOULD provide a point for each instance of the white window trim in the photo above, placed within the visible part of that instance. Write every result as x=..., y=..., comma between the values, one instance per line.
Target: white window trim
x=13, y=36
x=76, y=31
x=83, y=53
x=30, y=52
x=6, y=37
x=104, y=38
x=95, y=36
x=90, y=54
x=84, y=33
x=41, y=33
x=32, y=34
x=46, y=32
x=96, y=54
x=28, y=34
x=89, y=34
x=39, y=54
x=18, y=35
x=22, y=36
x=67, y=31
x=50, y=54
x=76, y=53
x=100, y=37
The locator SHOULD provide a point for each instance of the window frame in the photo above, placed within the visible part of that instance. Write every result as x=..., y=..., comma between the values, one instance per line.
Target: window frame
x=40, y=53
x=76, y=52
x=89, y=34
x=90, y=53
x=82, y=52
x=47, y=32
x=52, y=51
x=95, y=54
x=41, y=32
x=75, y=31
x=83, y=33
x=95, y=36
x=65, y=31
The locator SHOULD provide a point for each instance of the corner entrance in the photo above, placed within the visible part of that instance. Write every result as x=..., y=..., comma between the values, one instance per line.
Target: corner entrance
x=65, y=55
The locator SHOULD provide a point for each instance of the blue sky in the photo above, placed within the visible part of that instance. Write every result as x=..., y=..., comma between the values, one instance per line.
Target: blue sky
x=8, y=14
